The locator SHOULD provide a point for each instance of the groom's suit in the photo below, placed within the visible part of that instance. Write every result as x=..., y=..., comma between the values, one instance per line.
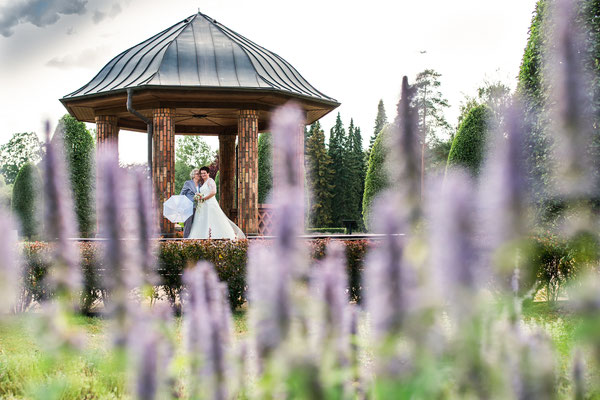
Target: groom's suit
x=189, y=190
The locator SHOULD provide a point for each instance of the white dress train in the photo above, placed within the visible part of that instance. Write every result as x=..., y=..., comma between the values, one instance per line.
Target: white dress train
x=210, y=222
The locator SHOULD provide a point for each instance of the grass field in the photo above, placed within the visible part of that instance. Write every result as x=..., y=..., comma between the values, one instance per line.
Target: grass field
x=30, y=369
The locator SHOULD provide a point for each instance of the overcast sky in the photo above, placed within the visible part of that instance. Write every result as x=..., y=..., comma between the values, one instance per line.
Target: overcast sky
x=353, y=51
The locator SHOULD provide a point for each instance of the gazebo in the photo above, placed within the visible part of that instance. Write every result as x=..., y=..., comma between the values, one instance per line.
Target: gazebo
x=198, y=77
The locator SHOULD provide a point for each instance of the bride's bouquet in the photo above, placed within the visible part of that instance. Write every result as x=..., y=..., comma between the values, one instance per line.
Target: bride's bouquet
x=198, y=198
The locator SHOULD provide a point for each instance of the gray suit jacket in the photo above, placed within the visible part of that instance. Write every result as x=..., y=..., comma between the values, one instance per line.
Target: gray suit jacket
x=189, y=190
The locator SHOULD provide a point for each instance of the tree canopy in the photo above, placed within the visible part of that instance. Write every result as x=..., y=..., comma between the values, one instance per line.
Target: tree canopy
x=20, y=149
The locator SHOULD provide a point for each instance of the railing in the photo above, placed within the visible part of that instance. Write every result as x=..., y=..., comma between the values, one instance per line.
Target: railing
x=265, y=219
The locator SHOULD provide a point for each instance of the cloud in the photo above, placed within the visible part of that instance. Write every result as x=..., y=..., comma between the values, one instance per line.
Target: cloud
x=99, y=16
x=40, y=13
x=88, y=58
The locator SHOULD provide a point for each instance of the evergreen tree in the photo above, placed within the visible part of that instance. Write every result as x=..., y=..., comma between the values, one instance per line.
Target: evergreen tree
x=380, y=121
x=25, y=201
x=337, y=153
x=79, y=147
x=469, y=143
x=320, y=175
x=430, y=105
x=355, y=166
x=265, y=166
x=376, y=179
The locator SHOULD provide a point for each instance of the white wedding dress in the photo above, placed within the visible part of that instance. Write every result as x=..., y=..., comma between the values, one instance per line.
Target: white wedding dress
x=210, y=222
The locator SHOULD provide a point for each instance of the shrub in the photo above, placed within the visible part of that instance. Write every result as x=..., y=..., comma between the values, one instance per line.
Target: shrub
x=25, y=200
x=265, y=166
x=468, y=145
x=79, y=147
x=228, y=257
x=376, y=179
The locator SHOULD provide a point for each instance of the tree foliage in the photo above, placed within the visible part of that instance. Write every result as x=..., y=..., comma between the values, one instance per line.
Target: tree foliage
x=265, y=166
x=190, y=152
x=337, y=153
x=468, y=145
x=376, y=179
x=79, y=154
x=320, y=174
x=20, y=149
x=26, y=200
x=430, y=105
x=356, y=169
x=380, y=122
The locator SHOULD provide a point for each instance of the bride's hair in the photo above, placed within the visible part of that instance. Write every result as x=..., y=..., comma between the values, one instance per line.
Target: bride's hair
x=205, y=169
x=194, y=172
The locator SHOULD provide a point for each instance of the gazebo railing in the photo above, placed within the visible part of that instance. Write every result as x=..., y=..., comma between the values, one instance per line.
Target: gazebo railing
x=265, y=219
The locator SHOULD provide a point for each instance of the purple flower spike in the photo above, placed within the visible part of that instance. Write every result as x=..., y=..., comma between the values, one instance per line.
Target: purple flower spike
x=329, y=285
x=387, y=278
x=269, y=300
x=452, y=243
x=147, y=227
x=120, y=269
x=503, y=186
x=573, y=127
x=208, y=330
x=578, y=376
x=60, y=222
x=10, y=276
x=404, y=161
x=286, y=125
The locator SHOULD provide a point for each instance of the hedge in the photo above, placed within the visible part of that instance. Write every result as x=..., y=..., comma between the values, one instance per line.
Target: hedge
x=469, y=143
x=376, y=179
x=228, y=257
x=26, y=200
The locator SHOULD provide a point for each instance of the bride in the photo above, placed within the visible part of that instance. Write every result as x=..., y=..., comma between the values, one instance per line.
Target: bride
x=210, y=222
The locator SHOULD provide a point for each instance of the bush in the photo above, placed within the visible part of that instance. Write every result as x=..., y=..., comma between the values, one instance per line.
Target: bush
x=79, y=147
x=326, y=230
x=228, y=257
x=469, y=143
x=25, y=200
x=265, y=166
x=376, y=179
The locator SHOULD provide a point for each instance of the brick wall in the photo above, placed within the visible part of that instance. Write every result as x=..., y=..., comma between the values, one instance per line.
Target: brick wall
x=226, y=173
x=247, y=172
x=163, y=166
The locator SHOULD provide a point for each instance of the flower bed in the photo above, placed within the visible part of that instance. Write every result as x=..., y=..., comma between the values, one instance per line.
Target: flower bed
x=228, y=257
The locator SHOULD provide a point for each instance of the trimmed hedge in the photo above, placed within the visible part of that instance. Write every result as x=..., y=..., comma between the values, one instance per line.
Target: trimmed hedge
x=376, y=179
x=469, y=143
x=228, y=257
x=26, y=200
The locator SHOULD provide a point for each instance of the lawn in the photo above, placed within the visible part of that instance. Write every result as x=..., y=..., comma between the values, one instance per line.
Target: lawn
x=29, y=369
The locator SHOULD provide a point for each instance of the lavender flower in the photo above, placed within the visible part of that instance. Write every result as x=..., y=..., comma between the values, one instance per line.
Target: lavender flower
x=454, y=255
x=60, y=220
x=207, y=330
x=10, y=275
x=573, y=127
x=386, y=277
x=289, y=196
x=120, y=269
x=151, y=353
x=403, y=162
x=147, y=228
x=329, y=286
x=269, y=299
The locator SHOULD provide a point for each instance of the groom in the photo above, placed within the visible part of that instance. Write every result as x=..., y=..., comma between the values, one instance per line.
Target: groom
x=190, y=188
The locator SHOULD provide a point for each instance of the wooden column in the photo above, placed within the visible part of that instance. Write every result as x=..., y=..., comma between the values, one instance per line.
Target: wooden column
x=163, y=161
x=247, y=179
x=107, y=133
x=226, y=173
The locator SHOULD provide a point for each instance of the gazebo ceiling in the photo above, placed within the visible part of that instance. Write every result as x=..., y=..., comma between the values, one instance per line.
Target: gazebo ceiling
x=203, y=69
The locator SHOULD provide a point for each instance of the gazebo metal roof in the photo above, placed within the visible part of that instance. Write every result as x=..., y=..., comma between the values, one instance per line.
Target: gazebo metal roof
x=200, y=54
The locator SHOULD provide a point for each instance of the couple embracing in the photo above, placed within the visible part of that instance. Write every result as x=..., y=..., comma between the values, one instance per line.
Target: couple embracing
x=208, y=220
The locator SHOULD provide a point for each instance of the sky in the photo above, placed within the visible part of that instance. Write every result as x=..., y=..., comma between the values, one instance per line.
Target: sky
x=353, y=51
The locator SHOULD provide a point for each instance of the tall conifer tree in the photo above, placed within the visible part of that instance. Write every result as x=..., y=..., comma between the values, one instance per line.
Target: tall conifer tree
x=356, y=167
x=320, y=174
x=380, y=122
x=337, y=144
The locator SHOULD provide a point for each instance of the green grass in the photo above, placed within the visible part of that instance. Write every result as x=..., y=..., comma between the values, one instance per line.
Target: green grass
x=31, y=370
